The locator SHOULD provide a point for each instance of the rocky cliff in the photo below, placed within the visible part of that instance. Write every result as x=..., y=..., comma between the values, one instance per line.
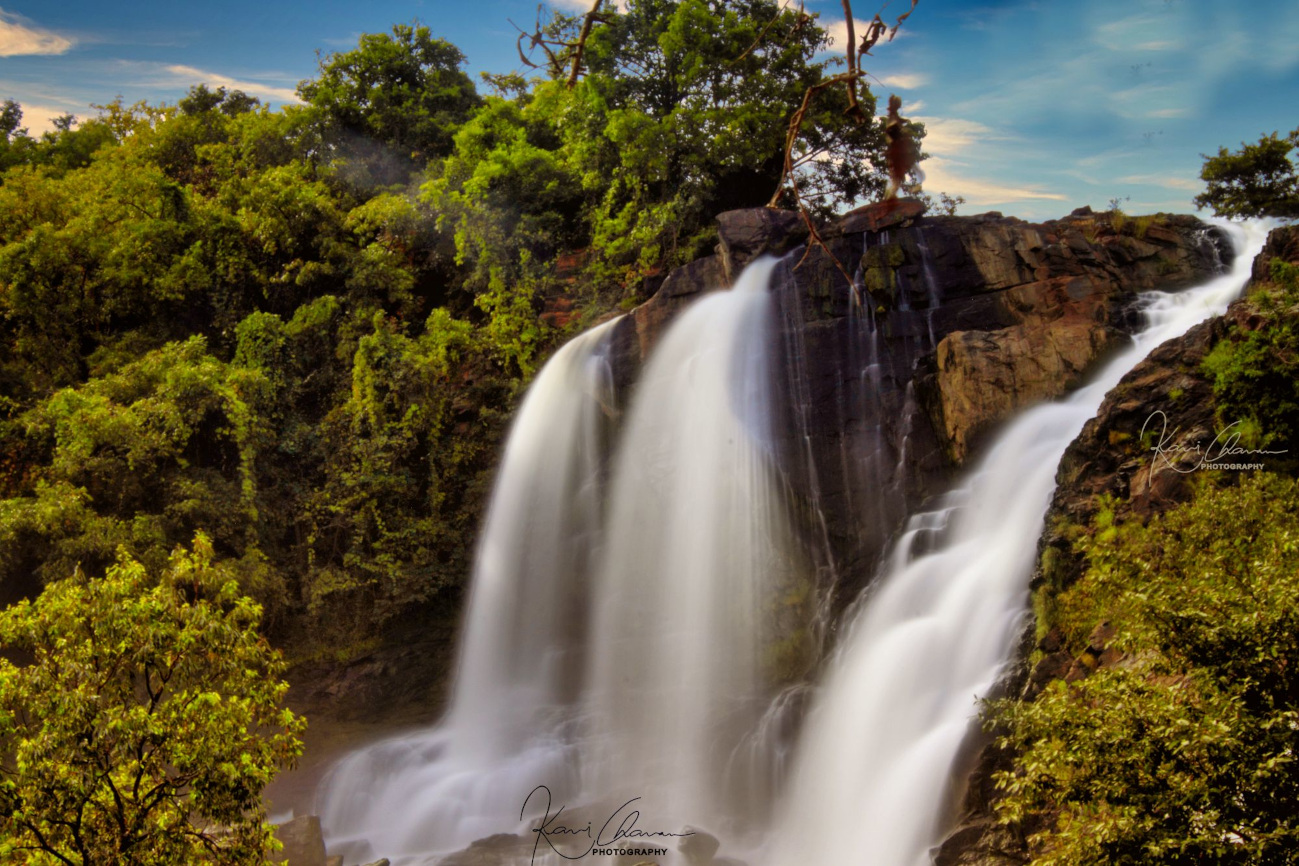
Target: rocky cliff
x=1139, y=457
x=949, y=325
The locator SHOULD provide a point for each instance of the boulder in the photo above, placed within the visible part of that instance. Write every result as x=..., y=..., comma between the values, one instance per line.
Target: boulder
x=304, y=844
x=748, y=233
x=880, y=215
x=699, y=848
x=984, y=377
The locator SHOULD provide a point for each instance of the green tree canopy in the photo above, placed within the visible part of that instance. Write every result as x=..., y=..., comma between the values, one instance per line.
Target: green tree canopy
x=1256, y=181
x=393, y=102
x=145, y=724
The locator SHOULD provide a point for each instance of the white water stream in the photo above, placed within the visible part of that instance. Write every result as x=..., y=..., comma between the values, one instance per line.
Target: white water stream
x=694, y=550
x=871, y=777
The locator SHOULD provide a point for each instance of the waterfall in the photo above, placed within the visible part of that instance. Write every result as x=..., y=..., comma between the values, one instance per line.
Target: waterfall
x=521, y=656
x=694, y=553
x=607, y=658
x=875, y=759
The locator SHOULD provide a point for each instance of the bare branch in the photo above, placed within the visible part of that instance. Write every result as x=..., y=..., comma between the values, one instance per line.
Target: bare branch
x=562, y=56
x=854, y=107
x=789, y=175
x=587, y=22
x=802, y=13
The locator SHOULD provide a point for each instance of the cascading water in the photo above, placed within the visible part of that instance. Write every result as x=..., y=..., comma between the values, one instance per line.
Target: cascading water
x=694, y=553
x=875, y=759
x=520, y=662
x=609, y=659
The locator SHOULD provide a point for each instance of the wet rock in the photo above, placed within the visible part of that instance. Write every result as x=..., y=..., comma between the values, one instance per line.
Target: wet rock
x=748, y=233
x=304, y=845
x=334, y=860
x=700, y=847
x=880, y=215
x=501, y=849
x=384, y=861
x=1282, y=243
x=984, y=377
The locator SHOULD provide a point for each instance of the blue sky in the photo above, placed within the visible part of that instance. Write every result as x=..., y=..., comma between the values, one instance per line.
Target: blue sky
x=1033, y=108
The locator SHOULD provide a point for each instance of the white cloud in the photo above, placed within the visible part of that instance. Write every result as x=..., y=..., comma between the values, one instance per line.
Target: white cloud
x=838, y=30
x=904, y=81
x=954, y=145
x=40, y=118
x=19, y=38
x=1166, y=182
x=188, y=75
x=950, y=136
x=939, y=177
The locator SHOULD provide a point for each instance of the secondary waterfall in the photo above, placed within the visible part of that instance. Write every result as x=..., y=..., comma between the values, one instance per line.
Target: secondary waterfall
x=871, y=777
x=521, y=655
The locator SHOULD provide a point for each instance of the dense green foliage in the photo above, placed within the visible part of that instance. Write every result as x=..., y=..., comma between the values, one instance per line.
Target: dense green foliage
x=1185, y=752
x=1257, y=180
x=300, y=331
x=146, y=723
x=1255, y=371
x=392, y=103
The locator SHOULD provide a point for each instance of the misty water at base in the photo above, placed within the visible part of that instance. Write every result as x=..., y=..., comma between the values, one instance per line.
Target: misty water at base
x=619, y=612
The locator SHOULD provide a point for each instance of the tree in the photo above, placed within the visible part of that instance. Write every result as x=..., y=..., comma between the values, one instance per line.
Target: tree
x=201, y=100
x=1257, y=180
x=146, y=724
x=404, y=92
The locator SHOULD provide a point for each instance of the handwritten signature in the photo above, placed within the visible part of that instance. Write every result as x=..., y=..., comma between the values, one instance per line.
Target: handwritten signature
x=620, y=825
x=1224, y=446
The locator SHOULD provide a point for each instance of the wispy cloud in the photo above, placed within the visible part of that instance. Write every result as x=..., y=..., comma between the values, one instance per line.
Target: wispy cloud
x=951, y=136
x=956, y=144
x=188, y=75
x=18, y=37
x=1184, y=183
x=940, y=177
x=904, y=81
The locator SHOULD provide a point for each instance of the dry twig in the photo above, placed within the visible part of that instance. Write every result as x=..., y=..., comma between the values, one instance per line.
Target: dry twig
x=560, y=53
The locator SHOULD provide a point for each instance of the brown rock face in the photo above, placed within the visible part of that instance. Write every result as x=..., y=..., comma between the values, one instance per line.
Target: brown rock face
x=963, y=321
x=985, y=376
x=1067, y=316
